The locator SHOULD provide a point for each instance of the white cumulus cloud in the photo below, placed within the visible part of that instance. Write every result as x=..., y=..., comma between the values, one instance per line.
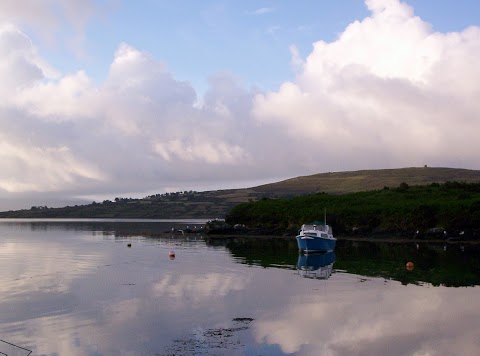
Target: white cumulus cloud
x=66, y=133
x=388, y=90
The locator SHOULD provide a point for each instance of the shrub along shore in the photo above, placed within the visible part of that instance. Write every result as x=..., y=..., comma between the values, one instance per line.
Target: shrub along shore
x=449, y=211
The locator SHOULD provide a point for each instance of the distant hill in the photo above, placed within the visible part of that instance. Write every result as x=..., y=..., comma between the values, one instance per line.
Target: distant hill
x=217, y=203
x=365, y=180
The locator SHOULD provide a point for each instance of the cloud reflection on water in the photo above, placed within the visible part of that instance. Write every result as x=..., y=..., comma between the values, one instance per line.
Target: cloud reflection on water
x=372, y=317
x=53, y=272
x=195, y=289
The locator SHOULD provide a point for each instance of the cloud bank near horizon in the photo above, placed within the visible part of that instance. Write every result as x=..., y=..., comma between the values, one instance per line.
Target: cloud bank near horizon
x=388, y=92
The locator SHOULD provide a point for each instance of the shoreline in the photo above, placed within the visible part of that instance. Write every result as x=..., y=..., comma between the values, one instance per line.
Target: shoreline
x=343, y=238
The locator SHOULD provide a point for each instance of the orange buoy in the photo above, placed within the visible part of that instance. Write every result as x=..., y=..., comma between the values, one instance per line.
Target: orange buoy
x=409, y=266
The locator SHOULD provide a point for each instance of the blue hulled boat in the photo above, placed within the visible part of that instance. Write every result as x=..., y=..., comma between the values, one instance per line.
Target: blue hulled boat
x=316, y=237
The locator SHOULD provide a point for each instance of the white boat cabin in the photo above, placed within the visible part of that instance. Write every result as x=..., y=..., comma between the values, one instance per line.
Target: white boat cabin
x=317, y=227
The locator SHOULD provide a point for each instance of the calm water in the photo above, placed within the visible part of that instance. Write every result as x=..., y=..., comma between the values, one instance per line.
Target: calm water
x=75, y=288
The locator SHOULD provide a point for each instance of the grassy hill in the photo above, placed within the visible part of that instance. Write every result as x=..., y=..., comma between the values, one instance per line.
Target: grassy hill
x=365, y=180
x=218, y=203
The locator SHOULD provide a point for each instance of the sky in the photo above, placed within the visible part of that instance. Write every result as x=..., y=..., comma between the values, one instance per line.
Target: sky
x=115, y=98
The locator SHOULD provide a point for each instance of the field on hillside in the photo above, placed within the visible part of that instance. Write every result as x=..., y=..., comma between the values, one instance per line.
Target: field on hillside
x=365, y=180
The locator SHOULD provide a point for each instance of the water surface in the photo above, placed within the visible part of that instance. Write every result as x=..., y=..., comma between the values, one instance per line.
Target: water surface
x=76, y=288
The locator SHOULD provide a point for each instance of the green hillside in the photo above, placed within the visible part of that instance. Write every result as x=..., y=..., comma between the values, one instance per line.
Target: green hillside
x=451, y=208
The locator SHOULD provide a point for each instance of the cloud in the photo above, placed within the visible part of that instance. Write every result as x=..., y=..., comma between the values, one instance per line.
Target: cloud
x=57, y=164
x=272, y=30
x=203, y=151
x=141, y=124
x=297, y=62
x=19, y=65
x=263, y=11
x=388, y=92
x=53, y=19
x=46, y=13
x=31, y=160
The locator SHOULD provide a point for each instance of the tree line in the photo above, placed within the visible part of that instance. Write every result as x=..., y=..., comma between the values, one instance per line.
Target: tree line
x=452, y=208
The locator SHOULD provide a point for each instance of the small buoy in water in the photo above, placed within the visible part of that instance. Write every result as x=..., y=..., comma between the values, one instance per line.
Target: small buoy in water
x=129, y=245
x=410, y=266
x=171, y=254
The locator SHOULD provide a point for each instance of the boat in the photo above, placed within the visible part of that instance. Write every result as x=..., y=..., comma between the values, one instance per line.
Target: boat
x=317, y=265
x=316, y=237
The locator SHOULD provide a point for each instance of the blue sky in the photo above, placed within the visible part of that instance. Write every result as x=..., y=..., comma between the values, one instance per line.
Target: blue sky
x=131, y=98
x=196, y=39
x=250, y=39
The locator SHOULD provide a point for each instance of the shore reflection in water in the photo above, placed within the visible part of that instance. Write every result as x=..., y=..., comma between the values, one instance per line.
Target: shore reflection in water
x=70, y=291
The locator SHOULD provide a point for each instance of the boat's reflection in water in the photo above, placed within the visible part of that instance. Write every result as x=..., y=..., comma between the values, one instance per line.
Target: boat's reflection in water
x=317, y=265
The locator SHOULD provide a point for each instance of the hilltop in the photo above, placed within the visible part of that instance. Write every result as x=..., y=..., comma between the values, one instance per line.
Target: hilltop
x=218, y=203
x=366, y=180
